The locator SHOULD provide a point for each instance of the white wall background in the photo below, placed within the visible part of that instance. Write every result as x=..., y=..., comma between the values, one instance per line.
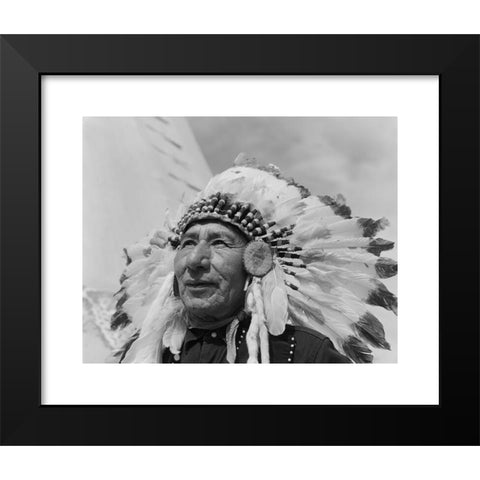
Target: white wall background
x=134, y=169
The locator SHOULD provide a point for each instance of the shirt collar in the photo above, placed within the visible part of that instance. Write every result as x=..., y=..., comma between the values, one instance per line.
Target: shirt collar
x=197, y=334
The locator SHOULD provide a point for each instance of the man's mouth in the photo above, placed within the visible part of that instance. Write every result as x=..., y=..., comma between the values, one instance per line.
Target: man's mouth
x=200, y=284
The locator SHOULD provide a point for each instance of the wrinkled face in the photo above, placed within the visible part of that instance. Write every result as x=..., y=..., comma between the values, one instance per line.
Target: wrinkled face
x=209, y=270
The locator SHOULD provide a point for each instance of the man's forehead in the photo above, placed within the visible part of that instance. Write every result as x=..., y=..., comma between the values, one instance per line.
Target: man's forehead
x=212, y=228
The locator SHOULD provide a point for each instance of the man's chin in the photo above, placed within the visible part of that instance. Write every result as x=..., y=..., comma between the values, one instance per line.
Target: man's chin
x=199, y=305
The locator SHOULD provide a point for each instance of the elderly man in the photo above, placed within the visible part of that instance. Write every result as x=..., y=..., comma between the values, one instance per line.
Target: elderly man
x=257, y=270
x=211, y=277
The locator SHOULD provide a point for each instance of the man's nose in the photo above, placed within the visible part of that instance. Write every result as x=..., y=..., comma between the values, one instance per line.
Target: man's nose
x=199, y=258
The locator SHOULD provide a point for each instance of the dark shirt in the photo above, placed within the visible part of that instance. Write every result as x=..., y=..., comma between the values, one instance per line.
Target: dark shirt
x=294, y=345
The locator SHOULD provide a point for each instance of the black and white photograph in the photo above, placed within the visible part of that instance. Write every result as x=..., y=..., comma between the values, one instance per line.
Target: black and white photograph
x=240, y=240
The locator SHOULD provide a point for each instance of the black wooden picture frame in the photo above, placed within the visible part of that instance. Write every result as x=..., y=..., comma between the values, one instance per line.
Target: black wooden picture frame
x=25, y=59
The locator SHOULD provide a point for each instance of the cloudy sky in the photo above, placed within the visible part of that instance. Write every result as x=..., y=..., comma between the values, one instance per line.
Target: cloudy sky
x=350, y=155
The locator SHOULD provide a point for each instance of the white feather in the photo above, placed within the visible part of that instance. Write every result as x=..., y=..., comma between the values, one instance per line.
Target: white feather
x=148, y=347
x=164, y=292
x=304, y=232
x=346, y=228
x=352, y=260
x=304, y=317
x=275, y=300
x=312, y=246
x=358, y=283
x=175, y=333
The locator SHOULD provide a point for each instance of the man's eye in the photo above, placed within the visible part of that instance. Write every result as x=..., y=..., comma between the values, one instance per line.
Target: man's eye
x=187, y=243
x=218, y=242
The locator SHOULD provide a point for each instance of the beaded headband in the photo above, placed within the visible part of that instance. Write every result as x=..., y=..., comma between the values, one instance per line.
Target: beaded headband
x=221, y=207
x=258, y=257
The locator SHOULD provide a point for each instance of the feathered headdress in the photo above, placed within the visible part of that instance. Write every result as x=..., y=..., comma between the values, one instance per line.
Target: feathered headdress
x=310, y=263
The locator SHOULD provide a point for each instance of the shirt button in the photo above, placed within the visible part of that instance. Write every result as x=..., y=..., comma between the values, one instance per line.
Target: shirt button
x=214, y=334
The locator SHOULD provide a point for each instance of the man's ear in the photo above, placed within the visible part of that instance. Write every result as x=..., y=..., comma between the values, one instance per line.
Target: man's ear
x=176, y=293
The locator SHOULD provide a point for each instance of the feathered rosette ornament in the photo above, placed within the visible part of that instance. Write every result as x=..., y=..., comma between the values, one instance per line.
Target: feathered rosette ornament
x=310, y=263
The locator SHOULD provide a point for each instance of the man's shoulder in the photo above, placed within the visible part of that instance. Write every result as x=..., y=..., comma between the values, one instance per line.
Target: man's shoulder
x=296, y=344
x=305, y=333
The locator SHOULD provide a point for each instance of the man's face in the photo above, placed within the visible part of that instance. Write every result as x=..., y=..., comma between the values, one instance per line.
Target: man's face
x=209, y=270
